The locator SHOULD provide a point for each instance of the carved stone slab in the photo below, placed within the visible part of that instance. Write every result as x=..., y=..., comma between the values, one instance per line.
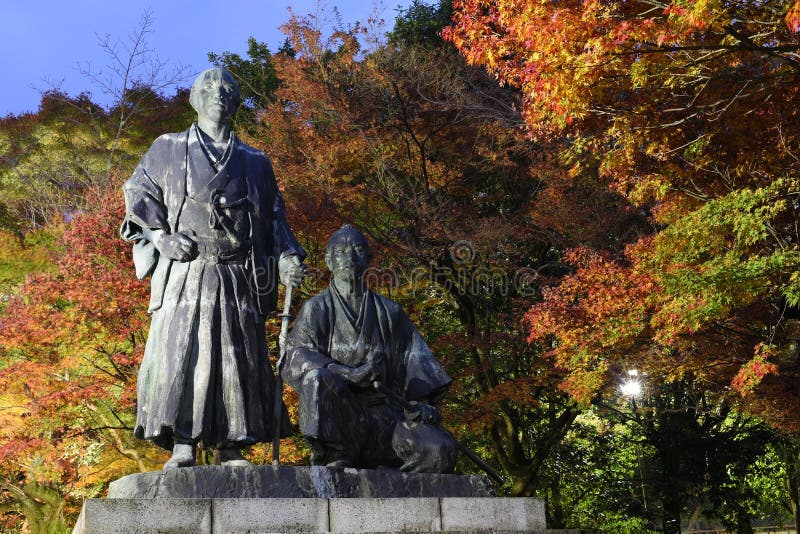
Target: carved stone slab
x=217, y=482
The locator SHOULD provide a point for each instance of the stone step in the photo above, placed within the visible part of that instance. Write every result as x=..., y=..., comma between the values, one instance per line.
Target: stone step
x=290, y=515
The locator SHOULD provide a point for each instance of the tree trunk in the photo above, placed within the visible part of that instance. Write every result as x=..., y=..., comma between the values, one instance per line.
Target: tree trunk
x=671, y=523
x=553, y=508
x=671, y=498
x=42, y=509
x=519, y=487
x=743, y=525
x=789, y=454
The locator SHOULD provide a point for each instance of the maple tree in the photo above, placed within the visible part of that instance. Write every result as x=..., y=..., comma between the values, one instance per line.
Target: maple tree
x=70, y=350
x=689, y=111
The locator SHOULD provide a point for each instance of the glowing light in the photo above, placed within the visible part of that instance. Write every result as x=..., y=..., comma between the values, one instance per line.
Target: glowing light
x=631, y=386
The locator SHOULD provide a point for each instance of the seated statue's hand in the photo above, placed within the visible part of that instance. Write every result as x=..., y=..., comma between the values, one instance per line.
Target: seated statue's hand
x=362, y=375
x=291, y=271
x=342, y=370
x=177, y=246
x=424, y=413
x=378, y=362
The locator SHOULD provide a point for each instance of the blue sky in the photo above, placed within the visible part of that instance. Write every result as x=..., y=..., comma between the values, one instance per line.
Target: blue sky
x=43, y=41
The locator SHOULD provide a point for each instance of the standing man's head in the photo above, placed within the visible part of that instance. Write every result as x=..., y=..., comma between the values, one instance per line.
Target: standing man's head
x=347, y=254
x=215, y=95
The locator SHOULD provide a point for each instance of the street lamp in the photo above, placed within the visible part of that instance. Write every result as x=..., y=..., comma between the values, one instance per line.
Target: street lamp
x=631, y=386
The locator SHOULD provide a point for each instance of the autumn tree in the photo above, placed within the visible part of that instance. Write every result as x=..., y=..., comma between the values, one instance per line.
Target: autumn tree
x=70, y=350
x=48, y=160
x=666, y=99
x=687, y=110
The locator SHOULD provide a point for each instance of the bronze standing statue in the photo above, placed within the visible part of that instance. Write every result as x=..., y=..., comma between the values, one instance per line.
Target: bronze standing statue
x=348, y=348
x=208, y=226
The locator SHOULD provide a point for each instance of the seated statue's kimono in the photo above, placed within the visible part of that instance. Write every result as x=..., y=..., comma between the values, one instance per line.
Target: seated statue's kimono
x=356, y=419
x=205, y=375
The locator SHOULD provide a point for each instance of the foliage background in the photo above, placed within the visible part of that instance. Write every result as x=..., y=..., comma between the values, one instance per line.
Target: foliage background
x=555, y=193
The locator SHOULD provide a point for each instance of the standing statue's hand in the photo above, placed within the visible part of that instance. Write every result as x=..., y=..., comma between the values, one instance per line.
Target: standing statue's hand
x=291, y=271
x=177, y=246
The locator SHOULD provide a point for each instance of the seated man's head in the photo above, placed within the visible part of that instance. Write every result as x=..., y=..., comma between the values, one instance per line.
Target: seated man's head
x=215, y=95
x=347, y=254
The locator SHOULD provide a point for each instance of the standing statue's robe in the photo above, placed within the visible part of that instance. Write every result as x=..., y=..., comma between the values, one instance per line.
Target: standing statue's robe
x=205, y=375
x=359, y=419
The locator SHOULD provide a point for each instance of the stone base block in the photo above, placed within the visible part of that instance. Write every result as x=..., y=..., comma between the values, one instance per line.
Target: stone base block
x=385, y=515
x=139, y=516
x=355, y=515
x=490, y=515
x=269, y=515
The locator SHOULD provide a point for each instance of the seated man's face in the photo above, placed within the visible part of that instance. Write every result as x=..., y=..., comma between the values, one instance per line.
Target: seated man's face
x=348, y=258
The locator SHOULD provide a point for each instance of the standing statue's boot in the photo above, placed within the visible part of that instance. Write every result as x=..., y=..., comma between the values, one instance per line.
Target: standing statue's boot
x=182, y=456
x=232, y=457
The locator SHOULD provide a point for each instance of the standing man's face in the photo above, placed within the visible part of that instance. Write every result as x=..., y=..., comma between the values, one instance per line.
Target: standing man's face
x=216, y=98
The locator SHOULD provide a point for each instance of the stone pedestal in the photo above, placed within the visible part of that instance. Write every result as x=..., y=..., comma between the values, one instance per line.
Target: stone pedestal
x=216, y=482
x=264, y=499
